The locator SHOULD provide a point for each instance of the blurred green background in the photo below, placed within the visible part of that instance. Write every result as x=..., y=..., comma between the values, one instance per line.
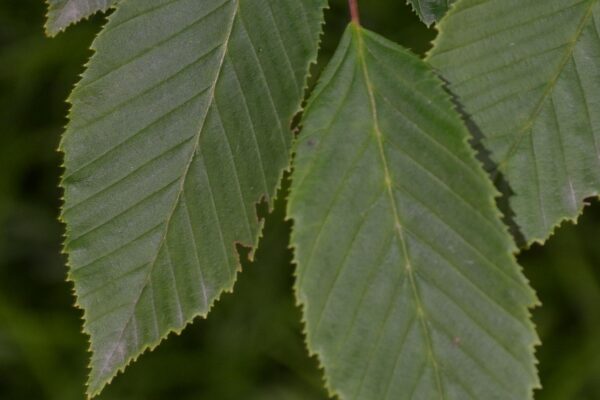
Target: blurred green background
x=252, y=345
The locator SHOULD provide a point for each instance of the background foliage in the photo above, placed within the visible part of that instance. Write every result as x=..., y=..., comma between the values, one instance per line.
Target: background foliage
x=252, y=345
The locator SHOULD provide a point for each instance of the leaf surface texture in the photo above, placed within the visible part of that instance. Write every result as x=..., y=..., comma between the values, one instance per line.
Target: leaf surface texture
x=405, y=271
x=179, y=127
x=431, y=11
x=62, y=13
x=528, y=73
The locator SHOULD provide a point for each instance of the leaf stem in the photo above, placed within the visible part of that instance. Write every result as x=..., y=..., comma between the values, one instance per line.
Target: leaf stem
x=354, y=14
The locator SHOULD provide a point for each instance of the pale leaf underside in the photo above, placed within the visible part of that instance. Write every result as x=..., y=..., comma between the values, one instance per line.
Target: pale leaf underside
x=405, y=271
x=179, y=127
x=528, y=73
x=62, y=13
x=431, y=11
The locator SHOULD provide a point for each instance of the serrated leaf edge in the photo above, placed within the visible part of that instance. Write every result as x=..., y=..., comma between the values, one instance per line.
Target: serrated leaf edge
x=514, y=250
x=90, y=394
x=529, y=243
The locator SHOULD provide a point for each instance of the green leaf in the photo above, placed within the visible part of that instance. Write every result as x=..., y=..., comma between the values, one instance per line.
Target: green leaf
x=179, y=127
x=528, y=73
x=431, y=11
x=62, y=13
x=406, y=274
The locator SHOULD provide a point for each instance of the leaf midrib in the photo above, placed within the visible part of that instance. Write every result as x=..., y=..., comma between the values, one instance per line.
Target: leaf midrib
x=167, y=222
x=398, y=227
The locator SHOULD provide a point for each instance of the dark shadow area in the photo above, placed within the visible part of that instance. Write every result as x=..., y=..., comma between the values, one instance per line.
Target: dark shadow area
x=484, y=156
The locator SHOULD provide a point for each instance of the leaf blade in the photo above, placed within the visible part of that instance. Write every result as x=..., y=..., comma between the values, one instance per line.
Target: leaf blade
x=176, y=133
x=544, y=86
x=62, y=13
x=431, y=11
x=402, y=297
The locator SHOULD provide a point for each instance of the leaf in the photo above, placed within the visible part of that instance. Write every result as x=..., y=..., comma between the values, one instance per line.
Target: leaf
x=405, y=271
x=62, y=13
x=179, y=127
x=528, y=73
x=431, y=11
